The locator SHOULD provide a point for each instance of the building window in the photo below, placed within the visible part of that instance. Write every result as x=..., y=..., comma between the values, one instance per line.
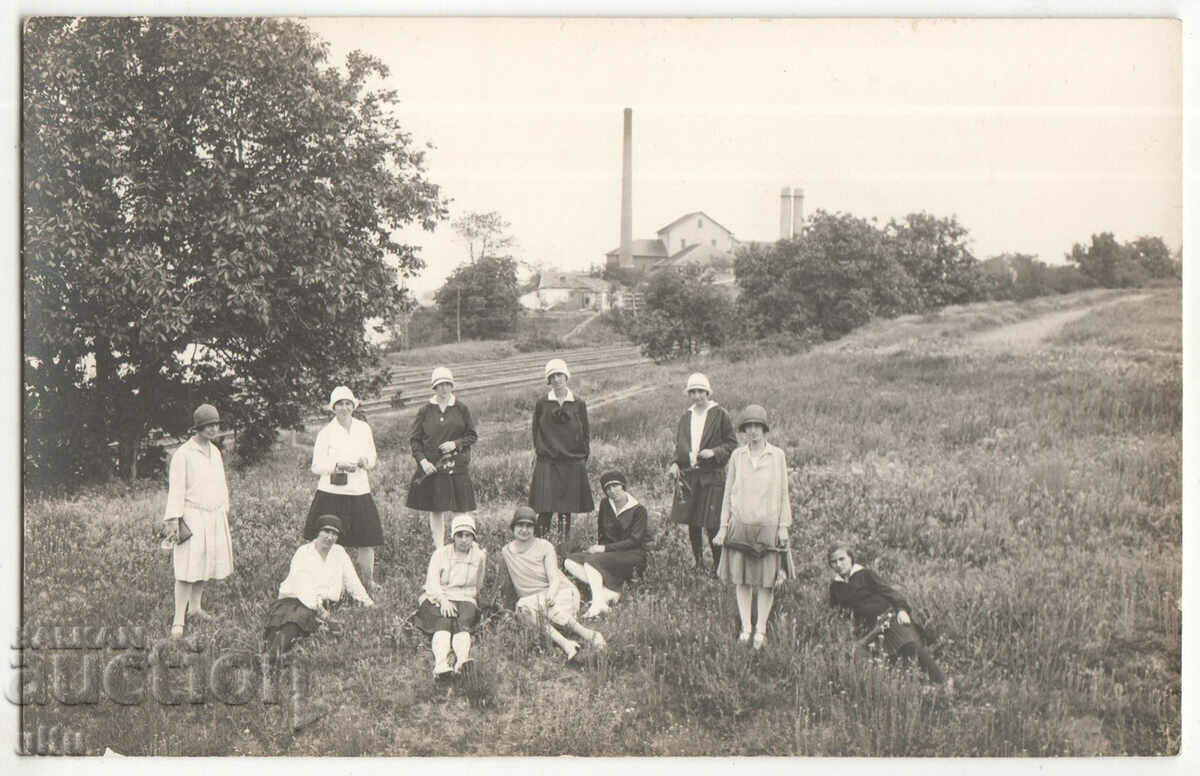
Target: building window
x=714, y=242
x=699, y=223
x=682, y=243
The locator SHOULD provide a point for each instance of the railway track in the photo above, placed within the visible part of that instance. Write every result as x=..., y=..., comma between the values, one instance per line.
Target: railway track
x=475, y=376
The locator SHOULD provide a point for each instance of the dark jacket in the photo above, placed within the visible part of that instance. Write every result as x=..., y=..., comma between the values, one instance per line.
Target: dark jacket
x=626, y=531
x=867, y=596
x=718, y=436
x=561, y=433
x=432, y=427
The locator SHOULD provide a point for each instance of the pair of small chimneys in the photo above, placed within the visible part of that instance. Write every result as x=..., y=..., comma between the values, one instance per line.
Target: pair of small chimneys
x=791, y=212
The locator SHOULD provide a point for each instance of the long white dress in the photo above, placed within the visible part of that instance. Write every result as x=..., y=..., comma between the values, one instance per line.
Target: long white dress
x=198, y=493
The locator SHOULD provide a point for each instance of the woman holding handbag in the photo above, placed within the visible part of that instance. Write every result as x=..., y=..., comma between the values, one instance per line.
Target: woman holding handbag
x=441, y=439
x=197, y=516
x=342, y=455
x=756, y=513
x=704, y=440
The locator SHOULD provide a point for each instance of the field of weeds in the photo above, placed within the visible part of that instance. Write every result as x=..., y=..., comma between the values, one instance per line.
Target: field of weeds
x=1027, y=499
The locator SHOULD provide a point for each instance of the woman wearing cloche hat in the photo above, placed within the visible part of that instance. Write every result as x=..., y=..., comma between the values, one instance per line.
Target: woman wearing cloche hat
x=342, y=455
x=448, y=608
x=197, y=516
x=562, y=443
x=442, y=435
x=704, y=440
x=620, y=549
x=756, y=513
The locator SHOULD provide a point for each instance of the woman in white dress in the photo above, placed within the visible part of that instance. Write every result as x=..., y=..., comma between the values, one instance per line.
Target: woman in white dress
x=197, y=517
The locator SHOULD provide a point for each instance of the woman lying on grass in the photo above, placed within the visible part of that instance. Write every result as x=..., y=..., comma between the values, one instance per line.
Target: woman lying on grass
x=545, y=597
x=881, y=615
x=448, y=608
x=620, y=550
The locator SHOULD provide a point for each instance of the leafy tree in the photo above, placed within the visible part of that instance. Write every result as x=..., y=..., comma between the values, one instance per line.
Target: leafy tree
x=208, y=211
x=480, y=299
x=1154, y=257
x=686, y=312
x=934, y=253
x=835, y=277
x=1105, y=262
x=486, y=234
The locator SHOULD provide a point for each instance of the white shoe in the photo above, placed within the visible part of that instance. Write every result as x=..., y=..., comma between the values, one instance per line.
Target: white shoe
x=760, y=640
x=744, y=637
x=598, y=641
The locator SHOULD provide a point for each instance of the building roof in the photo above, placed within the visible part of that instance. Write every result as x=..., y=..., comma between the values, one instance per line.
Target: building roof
x=571, y=280
x=698, y=254
x=693, y=214
x=652, y=248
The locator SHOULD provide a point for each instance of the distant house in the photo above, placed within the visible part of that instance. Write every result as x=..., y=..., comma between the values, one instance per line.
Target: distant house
x=568, y=291
x=686, y=233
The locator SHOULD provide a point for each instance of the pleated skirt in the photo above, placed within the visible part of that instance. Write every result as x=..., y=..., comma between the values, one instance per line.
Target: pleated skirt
x=560, y=486
x=360, y=518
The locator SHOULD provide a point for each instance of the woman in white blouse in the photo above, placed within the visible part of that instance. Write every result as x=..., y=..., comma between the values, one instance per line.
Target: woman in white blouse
x=449, y=606
x=197, y=516
x=342, y=455
x=320, y=573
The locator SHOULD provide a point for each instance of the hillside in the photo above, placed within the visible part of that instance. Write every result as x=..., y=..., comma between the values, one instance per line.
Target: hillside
x=1024, y=492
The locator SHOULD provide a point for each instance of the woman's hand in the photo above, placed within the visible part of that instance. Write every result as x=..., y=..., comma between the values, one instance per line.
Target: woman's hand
x=673, y=470
x=781, y=536
x=719, y=539
x=448, y=608
x=903, y=618
x=427, y=467
x=173, y=529
x=596, y=548
x=362, y=462
x=705, y=454
x=347, y=466
x=446, y=447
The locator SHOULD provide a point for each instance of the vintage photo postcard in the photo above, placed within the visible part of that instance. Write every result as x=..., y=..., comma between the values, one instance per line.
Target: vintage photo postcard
x=600, y=387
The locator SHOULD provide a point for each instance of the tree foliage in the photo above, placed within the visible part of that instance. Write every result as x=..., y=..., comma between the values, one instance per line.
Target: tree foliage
x=686, y=313
x=207, y=216
x=1111, y=264
x=837, y=276
x=934, y=253
x=481, y=295
x=486, y=234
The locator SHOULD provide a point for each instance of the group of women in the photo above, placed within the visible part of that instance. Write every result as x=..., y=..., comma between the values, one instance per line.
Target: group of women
x=734, y=495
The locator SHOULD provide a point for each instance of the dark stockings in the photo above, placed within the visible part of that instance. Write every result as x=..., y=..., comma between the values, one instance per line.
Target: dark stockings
x=564, y=524
x=696, y=536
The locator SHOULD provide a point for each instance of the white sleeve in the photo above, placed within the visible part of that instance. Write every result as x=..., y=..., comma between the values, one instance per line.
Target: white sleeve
x=351, y=583
x=177, y=485
x=322, y=461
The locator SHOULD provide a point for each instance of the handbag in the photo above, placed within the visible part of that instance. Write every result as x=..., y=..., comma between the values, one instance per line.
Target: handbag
x=185, y=533
x=338, y=478
x=680, y=505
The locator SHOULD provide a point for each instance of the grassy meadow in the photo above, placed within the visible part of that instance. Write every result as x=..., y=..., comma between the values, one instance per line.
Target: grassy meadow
x=1028, y=502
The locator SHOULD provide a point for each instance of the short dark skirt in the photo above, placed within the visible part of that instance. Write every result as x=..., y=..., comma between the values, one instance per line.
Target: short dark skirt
x=289, y=611
x=616, y=568
x=560, y=486
x=360, y=518
x=701, y=506
x=442, y=492
x=429, y=618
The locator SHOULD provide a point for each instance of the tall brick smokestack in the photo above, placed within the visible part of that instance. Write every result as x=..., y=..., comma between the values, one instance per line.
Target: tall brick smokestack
x=785, y=213
x=797, y=211
x=627, y=191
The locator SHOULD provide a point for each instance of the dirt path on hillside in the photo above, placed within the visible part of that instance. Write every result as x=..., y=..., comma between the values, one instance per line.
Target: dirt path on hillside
x=1022, y=334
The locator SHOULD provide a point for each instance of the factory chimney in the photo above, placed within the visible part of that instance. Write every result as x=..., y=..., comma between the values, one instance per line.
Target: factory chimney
x=627, y=192
x=785, y=213
x=797, y=211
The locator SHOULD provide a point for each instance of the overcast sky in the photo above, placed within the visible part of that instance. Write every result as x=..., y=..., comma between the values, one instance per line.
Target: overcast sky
x=1035, y=133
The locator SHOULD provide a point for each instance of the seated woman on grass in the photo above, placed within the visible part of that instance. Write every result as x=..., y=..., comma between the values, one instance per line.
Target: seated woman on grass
x=880, y=612
x=545, y=597
x=320, y=573
x=619, y=552
x=448, y=608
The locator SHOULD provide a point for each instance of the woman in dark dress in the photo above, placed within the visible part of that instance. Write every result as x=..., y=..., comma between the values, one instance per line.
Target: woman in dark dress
x=619, y=552
x=880, y=612
x=442, y=435
x=704, y=440
x=562, y=443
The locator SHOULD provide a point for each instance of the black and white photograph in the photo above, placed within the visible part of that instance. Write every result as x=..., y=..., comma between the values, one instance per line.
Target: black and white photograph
x=524, y=387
